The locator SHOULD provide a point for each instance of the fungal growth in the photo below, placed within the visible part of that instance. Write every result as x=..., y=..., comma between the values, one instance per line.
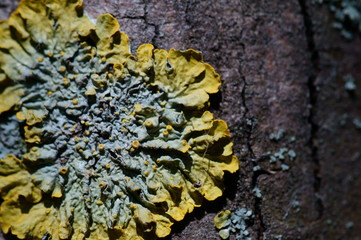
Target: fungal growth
x=96, y=143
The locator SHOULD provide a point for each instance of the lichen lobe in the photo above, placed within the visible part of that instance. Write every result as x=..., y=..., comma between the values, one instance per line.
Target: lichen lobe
x=110, y=145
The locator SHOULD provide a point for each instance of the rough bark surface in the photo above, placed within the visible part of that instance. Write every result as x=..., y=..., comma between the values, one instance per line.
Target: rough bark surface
x=282, y=66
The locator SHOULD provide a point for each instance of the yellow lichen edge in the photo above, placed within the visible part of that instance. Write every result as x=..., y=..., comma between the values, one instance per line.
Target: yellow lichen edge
x=9, y=97
x=182, y=75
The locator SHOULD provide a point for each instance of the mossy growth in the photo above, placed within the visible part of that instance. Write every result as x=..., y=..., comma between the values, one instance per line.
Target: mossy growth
x=96, y=143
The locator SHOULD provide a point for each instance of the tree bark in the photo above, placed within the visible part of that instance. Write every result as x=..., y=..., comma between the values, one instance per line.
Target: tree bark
x=282, y=66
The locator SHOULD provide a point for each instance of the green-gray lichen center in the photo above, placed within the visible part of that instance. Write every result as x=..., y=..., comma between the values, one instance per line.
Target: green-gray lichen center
x=92, y=126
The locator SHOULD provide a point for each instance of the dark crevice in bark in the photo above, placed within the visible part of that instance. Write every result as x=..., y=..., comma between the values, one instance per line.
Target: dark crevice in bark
x=248, y=131
x=257, y=205
x=315, y=69
x=156, y=27
x=245, y=116
x=186, y=11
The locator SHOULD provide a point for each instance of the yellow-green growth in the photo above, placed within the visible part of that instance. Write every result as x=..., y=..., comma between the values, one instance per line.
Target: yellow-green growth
x=96, y=143
x=222, y=219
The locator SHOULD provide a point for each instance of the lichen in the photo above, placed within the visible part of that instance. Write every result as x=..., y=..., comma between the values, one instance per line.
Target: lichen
x=257, y=192
x=349, y=225
x=97, y=143
x=236, y=222
x=357, y=123
x=282, y=154
x=347, y=16
x=350, y=83
x=277, y=135
x=280, y=160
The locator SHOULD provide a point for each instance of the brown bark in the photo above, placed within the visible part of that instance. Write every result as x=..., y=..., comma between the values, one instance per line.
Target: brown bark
x=282, y=66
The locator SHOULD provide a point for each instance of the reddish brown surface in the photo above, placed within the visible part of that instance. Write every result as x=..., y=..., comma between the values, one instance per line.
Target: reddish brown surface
x=282, y=66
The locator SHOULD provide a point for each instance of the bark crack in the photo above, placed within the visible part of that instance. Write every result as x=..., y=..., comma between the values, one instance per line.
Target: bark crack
x=249, y=127
x=313, y=97
x=147, y=22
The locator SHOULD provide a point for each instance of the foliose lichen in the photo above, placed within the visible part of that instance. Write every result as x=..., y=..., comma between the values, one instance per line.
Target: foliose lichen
x=96, y=143
x=234, y=222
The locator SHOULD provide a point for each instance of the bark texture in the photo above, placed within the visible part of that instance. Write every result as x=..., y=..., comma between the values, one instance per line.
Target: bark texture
x=283, y=67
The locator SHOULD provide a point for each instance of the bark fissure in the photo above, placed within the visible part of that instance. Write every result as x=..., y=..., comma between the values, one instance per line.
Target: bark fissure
x=312, y=87
x=147, y=22
x=249, y=131
x=257, y=205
